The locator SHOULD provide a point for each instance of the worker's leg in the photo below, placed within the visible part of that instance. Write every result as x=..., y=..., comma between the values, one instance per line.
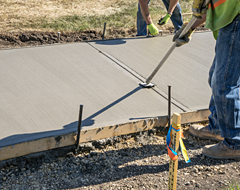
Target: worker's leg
x=141, y=23
x=225, y=83
x=211, y=131
x=176, y=15
x=213, y=119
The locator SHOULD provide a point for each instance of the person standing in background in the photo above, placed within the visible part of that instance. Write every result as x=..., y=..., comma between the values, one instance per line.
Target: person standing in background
x=144, y=20
x=174, y=13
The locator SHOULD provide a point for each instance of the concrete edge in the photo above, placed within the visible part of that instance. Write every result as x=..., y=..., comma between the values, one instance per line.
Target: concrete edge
x=49, y=143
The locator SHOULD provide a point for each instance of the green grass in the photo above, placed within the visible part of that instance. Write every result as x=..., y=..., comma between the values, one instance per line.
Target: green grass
x=126, y=18
x=233, y=186
x=123, y=19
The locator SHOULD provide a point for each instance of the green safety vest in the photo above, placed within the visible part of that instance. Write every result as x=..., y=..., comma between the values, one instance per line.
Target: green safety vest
x=220, y=13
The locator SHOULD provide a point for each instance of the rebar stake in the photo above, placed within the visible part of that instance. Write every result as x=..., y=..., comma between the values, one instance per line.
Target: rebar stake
x=104, y=28
x=58, y=37
x=169, y=106
x=79, y=127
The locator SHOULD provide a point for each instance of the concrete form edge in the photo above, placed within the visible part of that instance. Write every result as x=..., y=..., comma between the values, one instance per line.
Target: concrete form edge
x=49, y=143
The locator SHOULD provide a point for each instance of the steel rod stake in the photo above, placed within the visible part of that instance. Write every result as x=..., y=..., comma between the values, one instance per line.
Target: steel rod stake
x=169, y=106
x=104, y=28
x=79, y=127
x=58, y=37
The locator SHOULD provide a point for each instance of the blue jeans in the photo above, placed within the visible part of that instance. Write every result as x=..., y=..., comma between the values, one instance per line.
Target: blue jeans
x=176, y=19
x=224, y=79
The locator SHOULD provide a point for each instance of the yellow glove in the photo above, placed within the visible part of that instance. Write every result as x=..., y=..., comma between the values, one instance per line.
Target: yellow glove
x=164, y=20
x=153, y=29
x=199, y=7
x=185, y=39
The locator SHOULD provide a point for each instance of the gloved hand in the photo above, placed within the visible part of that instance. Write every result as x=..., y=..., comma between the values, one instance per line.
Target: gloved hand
x=153, y=29
x=199, y=7
x=164, y=20
x=185, y=39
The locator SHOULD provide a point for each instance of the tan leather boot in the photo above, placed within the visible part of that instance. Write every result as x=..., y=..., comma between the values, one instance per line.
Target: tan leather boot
x=202, y=132
x=220, y=151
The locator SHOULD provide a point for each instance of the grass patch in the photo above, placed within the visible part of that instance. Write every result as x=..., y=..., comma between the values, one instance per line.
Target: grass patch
x=63, y=15
x=233, y=186
x=124, y=19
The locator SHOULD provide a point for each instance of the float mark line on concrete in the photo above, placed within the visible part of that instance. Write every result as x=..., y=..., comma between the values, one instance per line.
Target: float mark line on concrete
x=141, y=78
x=128, y=69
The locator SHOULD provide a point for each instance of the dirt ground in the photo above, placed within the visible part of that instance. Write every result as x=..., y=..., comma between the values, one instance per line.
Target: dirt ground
x=129, y=162
x=37, y=38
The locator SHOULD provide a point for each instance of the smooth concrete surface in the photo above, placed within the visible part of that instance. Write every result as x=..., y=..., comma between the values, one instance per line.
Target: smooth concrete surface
x=41, y=89
x=186, y=69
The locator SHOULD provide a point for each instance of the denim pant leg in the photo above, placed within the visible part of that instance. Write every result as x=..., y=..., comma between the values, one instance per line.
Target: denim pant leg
x=225, y=83
x=141, y=23
x=213, y=125
x=176, y=15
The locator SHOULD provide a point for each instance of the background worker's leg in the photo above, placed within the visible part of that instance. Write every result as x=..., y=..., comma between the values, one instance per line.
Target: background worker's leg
x=176, y=17
x=141, y=23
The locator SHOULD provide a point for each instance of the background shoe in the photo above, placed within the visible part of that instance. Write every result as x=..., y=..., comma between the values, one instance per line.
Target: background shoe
x=220, y=151
x=202, y=132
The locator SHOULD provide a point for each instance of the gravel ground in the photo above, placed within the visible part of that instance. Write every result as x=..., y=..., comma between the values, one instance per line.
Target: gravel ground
x=136, y=161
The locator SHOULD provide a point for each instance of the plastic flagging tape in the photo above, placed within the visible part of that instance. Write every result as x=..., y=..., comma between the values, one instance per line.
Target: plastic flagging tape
x=172, y=154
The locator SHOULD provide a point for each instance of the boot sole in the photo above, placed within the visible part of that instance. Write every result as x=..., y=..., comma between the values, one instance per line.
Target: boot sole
x=205, y=138
x=223, y=158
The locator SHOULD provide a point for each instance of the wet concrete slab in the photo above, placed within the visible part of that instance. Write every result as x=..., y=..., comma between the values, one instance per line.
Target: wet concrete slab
x=41, y=89
x=186, y=70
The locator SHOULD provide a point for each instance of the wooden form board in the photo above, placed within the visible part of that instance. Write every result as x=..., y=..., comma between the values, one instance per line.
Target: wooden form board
x=49, y=143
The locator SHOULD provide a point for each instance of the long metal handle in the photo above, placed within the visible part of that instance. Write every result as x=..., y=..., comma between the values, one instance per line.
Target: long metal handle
x=189, y=25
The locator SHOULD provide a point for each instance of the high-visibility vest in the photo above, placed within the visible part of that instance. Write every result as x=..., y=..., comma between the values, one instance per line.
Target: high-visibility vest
x=220, y=13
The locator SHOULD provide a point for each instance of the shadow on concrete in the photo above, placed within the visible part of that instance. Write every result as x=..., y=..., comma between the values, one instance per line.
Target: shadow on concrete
x=69, y=128
x=111, y=42
x=137, y=118
x=119, y=41
x=90, y=121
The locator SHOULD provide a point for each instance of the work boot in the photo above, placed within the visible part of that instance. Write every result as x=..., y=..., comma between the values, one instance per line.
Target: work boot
x=220, y=151
x=153, y=29
x=202, y=132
